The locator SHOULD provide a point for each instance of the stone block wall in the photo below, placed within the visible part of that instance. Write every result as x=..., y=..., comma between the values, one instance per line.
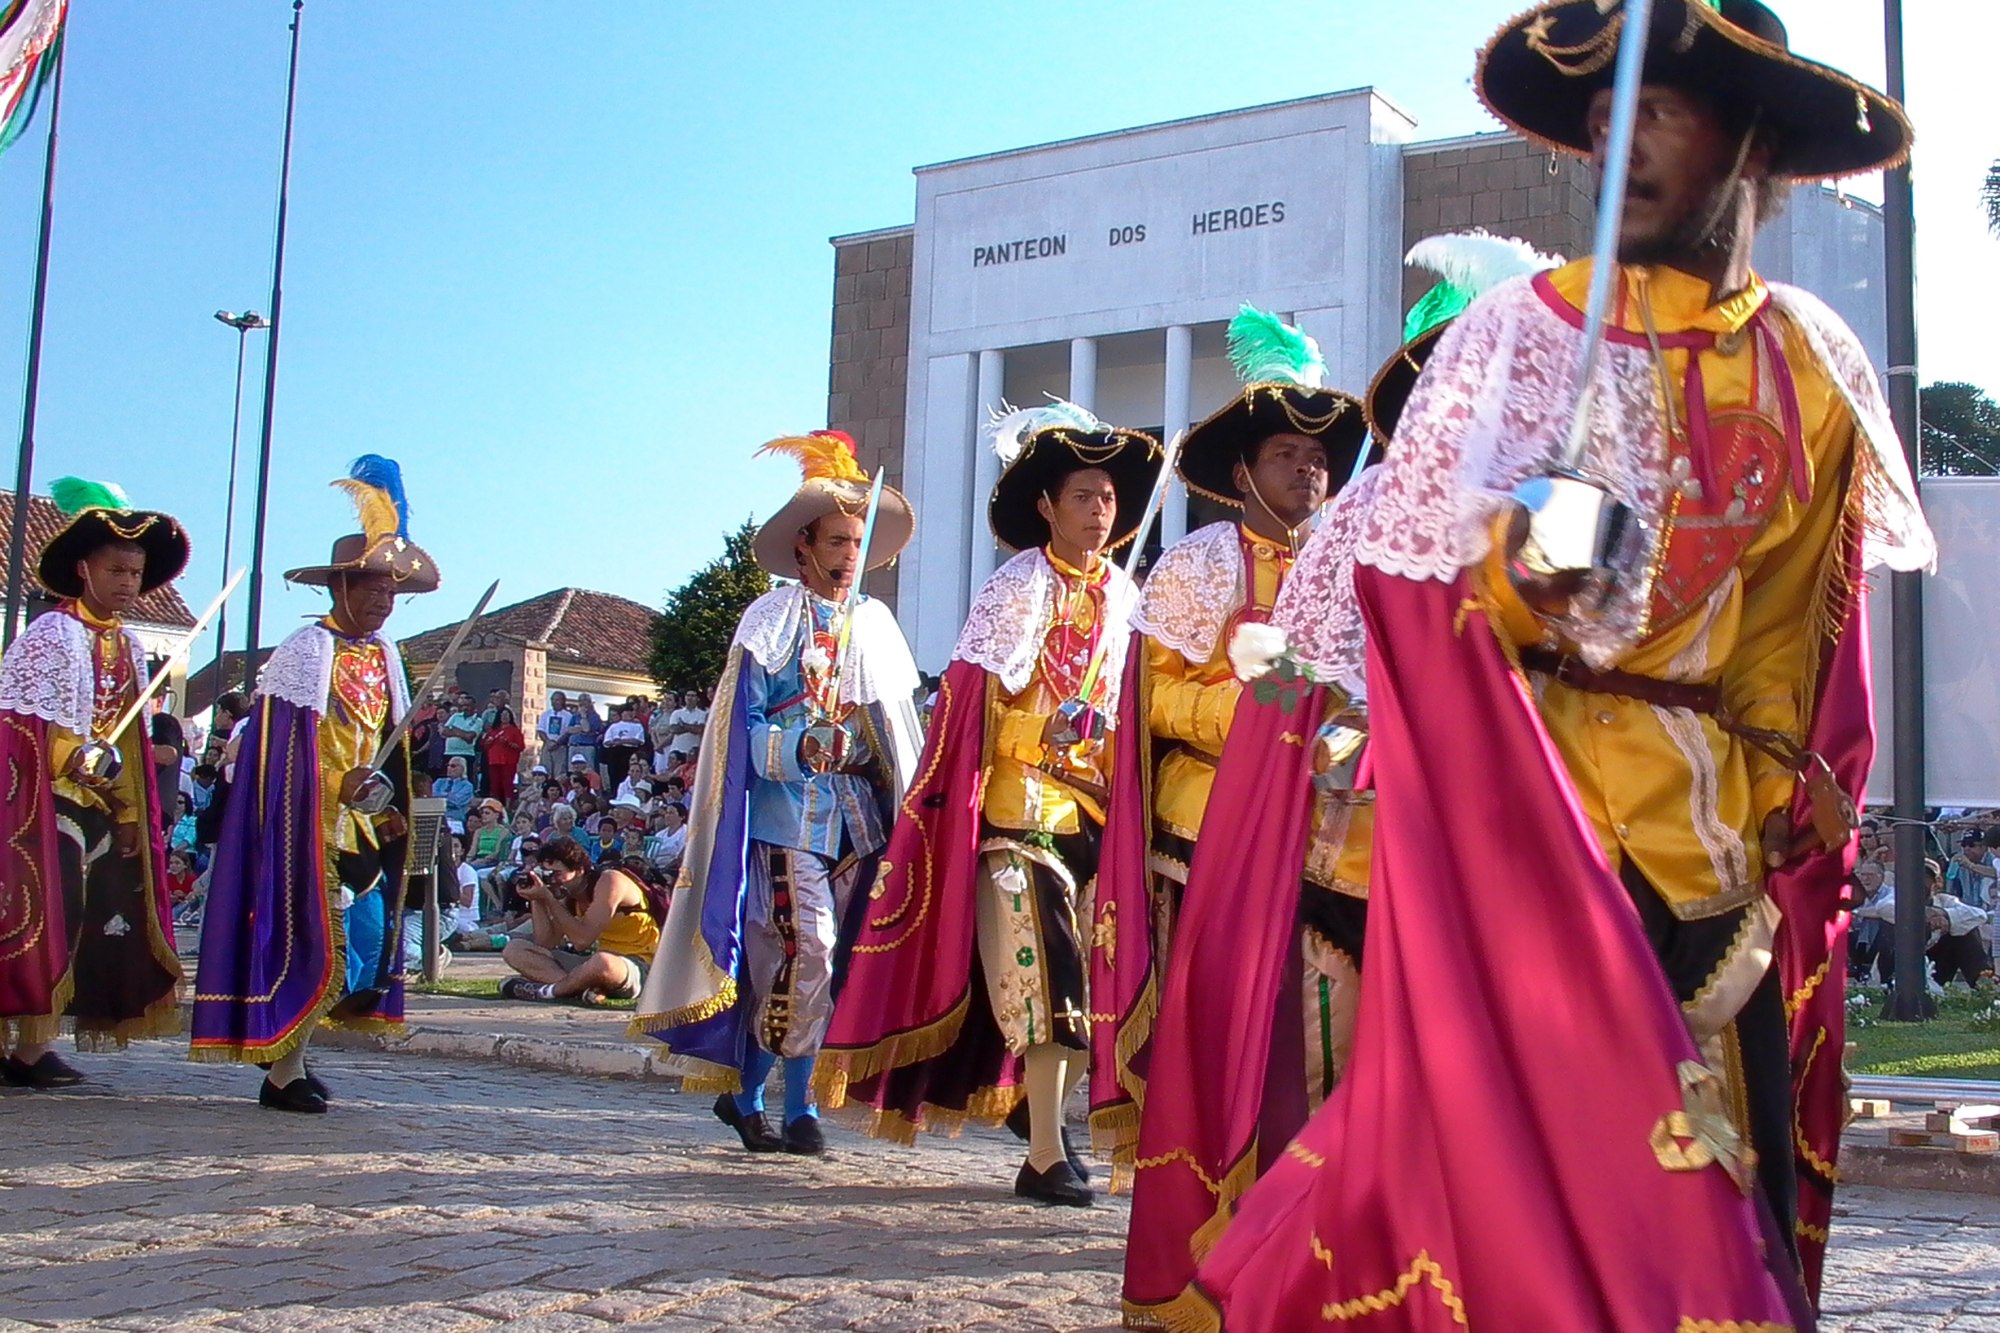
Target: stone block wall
x=870, y=364
x=1503, y=184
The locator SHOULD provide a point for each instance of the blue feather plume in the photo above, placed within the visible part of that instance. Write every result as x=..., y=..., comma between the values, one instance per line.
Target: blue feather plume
x=384, y=474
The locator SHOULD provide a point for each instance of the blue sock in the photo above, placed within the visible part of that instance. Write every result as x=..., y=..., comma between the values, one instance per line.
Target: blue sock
x=757, y=1064
x=798, y=1088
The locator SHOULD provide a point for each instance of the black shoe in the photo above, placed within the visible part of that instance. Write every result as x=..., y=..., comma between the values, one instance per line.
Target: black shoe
x=294, y=1096
x=1059, y=1184
x=48, y=1072
x=519, y=988
x=803, y=1137
x=312, y=1080
x=1075, y=1158
x=1017, y=1125
x=754, y=1129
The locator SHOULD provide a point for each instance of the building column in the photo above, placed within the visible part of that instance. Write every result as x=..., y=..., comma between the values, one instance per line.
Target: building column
x=1174, y=414
x=1083, y=373
x=991, y=393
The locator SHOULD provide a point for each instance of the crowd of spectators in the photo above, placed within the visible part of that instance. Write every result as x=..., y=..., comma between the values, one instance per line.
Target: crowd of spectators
x=607, y=786
x=1961, y=895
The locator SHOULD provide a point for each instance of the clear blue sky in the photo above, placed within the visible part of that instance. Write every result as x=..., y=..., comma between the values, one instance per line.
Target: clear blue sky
x=569, y=263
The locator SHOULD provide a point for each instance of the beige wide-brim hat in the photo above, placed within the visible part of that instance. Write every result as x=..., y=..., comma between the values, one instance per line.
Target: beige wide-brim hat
x=404, y=561
x=776, y=543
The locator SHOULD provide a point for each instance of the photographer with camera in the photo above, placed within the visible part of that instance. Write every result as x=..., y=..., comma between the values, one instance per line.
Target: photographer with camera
x=595, y=927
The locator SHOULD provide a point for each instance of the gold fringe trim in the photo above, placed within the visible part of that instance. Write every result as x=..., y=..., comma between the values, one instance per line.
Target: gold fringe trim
x=1688, y=1325
x=1135, y=1032
x=1190, y=1312
x=230, y=1052
x=1423, y=1269
x=988, y=1106
x=1821, y=1167
x=1114, y=1136
x=161, y=1019
x=43, y=1029
x=729, y=1081
x=1798, y=999
x=836, y=1068
x=1234, y=1183
x=648, y=1025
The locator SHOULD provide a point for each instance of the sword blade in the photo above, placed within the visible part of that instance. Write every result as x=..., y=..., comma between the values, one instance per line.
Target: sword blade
x=159, y=680
x=397, y=732
x=854, y=587
x=1638, y=18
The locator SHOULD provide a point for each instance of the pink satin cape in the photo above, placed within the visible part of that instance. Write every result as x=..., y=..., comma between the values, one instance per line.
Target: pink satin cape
x=1489, y=1159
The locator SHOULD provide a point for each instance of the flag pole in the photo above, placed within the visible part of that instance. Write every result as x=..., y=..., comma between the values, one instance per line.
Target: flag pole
x=251, y=645
x=24, y=466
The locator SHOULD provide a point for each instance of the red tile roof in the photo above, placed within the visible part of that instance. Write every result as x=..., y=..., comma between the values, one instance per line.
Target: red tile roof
x=577, y=627
x=162, y=606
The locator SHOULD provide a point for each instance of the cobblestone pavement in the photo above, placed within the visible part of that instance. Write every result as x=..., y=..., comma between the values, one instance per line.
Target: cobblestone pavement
x=443, y=1197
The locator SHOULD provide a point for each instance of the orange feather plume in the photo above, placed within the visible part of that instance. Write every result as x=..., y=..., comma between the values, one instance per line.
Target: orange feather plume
x=824, y=453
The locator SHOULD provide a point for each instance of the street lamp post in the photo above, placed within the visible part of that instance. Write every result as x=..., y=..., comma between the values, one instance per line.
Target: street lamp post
x=243, y=324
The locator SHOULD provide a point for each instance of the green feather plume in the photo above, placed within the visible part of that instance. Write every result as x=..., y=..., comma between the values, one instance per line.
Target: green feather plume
x=1264, y=349
x=1469, y=264
x=73, y=495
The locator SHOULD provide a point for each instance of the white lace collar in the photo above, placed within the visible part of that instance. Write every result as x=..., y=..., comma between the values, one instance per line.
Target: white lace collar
x=48, y=673
x=300, y=671
x=1003, y=632
x=879, y=665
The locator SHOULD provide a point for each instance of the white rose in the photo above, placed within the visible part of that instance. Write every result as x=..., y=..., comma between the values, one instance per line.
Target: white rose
x=1254, y=649
x=815, y=658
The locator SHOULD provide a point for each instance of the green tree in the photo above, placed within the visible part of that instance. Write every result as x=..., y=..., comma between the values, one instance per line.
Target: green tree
x=1961, y=431
x=691, y=637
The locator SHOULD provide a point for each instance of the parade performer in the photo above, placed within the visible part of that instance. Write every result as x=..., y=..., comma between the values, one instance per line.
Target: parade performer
x=302, y=922
x=813, y=738
x=1602, y=758
x=1231, y=1080
x=1273, y=451
x=968, y=992
x=86, y=928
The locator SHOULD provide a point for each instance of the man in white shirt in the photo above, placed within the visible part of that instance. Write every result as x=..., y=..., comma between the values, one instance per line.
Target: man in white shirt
x=685, y=724
x=555, y=720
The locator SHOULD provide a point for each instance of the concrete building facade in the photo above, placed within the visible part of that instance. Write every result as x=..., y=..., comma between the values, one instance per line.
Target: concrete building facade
x=1104, y=270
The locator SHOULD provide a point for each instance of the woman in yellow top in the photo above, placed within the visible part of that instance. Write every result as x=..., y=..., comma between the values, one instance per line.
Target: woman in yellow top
x=595, y=928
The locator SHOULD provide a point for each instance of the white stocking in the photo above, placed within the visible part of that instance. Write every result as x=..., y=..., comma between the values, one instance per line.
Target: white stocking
x=1048, y=1066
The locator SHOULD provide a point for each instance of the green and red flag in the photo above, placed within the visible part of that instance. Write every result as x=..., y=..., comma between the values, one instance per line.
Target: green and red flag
x=30, y=38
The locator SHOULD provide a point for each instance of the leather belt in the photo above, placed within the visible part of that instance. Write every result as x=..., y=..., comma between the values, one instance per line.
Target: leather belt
x=1573, y=672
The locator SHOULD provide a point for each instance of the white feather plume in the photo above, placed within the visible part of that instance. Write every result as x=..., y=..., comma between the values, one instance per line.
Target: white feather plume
x=1477, y=261
x=1012, y=427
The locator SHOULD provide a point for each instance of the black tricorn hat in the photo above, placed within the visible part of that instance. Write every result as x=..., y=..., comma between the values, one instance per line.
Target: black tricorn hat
x=1281, y=369
x=1053, y=442
x=1541, y=70
x=1212, y=450
x=99, y=515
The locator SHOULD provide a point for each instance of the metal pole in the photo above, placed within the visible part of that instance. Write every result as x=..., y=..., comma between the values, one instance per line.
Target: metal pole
x=256, y=617
x=1906, y=634
x=24, y=466
x=229, y=513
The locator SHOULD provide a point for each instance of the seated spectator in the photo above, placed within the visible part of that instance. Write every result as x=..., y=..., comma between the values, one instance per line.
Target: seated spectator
x=562, y=822
x=1970, y=876
x=1956, y=948
x=1873, y=939
x=462, y=730
x=669, y=842
x=545, y=799
x=201, y=783
x=489, y=836
x=463, y=914
x=617, y=831
x=637, y=772
x=583, y=734
x=673, y=791
x=456, y=790
x=594, y=933
x=581, y=769
x=181, y=882
x=183, y=835
x=688, y=768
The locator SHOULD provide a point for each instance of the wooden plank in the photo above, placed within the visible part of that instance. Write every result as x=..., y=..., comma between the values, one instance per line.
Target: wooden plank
x=1868, y=1108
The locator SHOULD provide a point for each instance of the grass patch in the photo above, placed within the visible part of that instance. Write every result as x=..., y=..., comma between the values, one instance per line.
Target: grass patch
x=1963, y=1041
x=488, y=988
